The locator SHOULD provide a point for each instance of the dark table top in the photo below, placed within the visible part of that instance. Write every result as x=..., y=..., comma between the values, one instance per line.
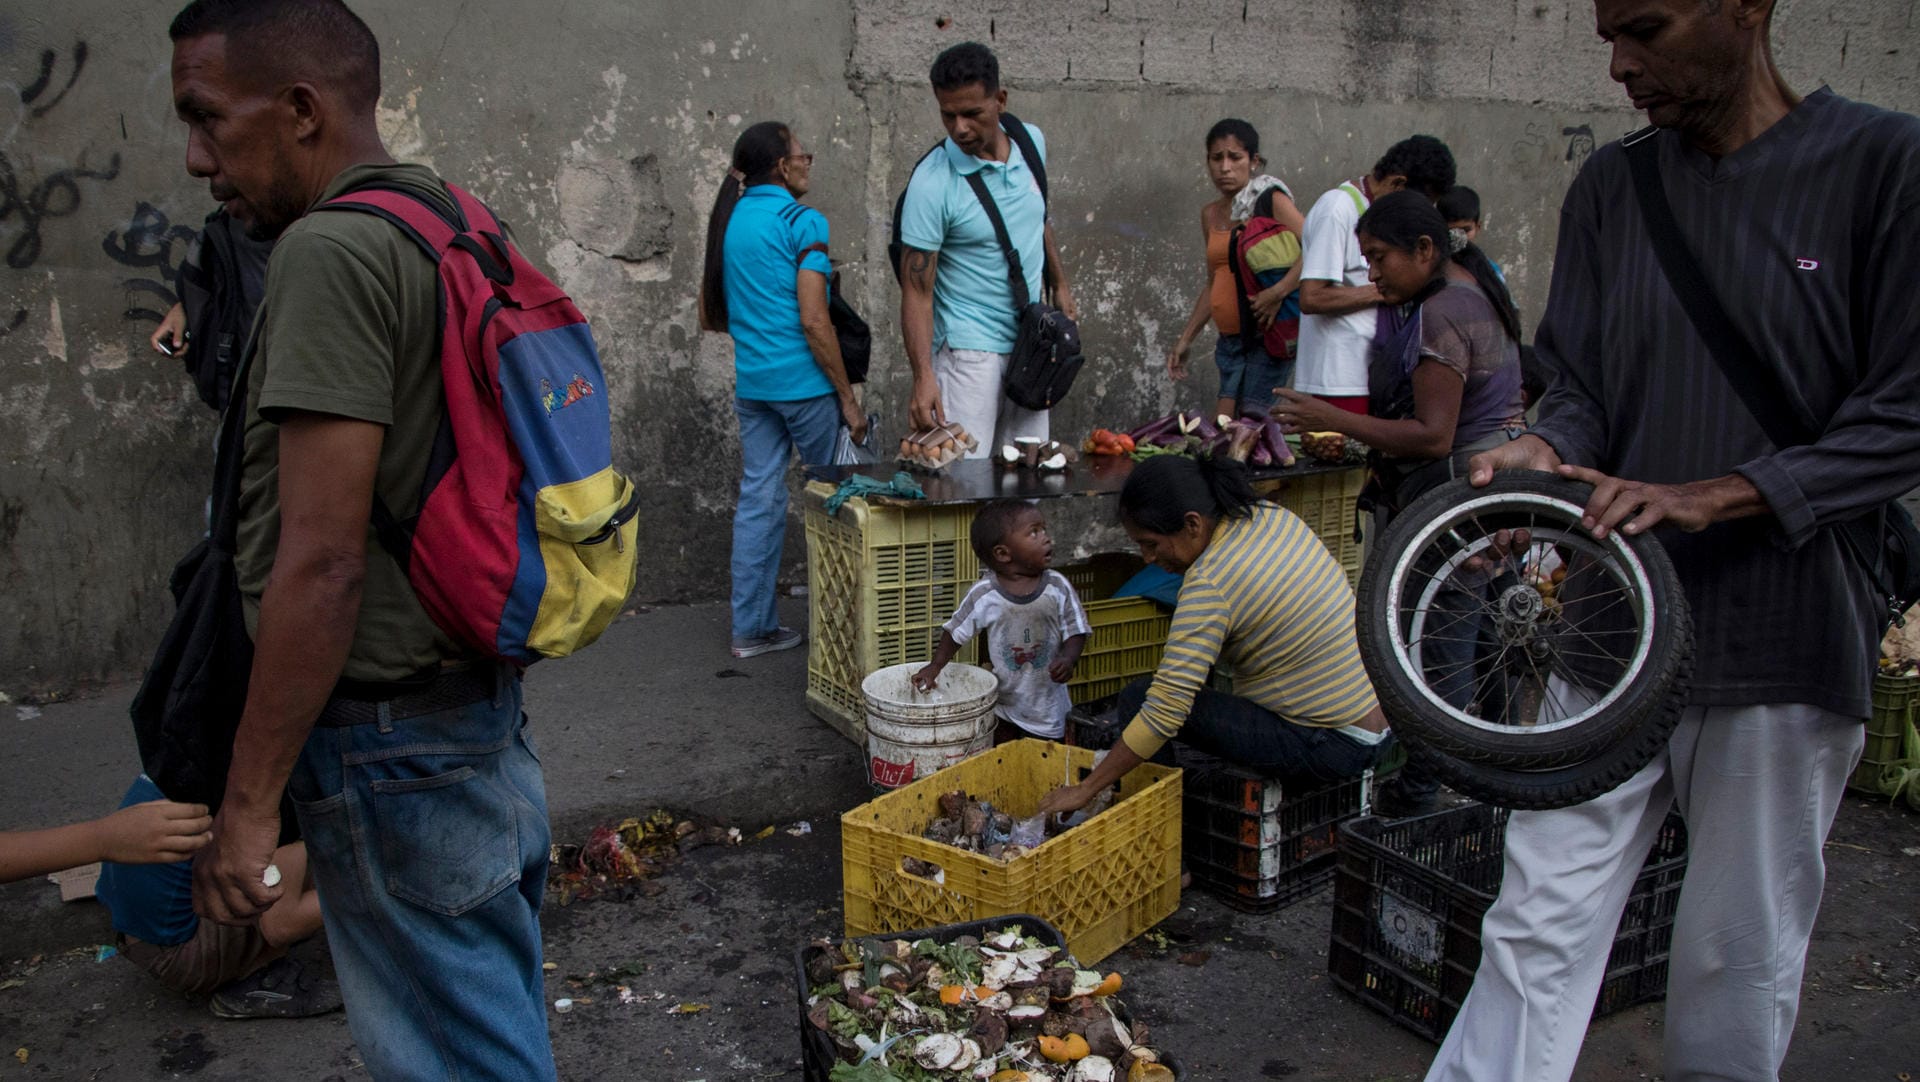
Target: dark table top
x=976, y=479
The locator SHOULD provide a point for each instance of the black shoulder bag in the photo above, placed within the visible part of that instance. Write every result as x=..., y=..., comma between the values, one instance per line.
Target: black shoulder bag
x=1883, y=540
x=189, y=705
x=855, y=337
x=1046, y=350
x=220, y=288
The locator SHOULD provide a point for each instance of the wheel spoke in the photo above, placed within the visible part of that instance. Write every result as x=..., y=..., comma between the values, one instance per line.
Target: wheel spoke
x=1455, y=598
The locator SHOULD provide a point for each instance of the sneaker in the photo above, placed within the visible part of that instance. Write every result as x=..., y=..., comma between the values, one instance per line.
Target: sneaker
x=784, y=638
x=285, y=988
x=1395, y=798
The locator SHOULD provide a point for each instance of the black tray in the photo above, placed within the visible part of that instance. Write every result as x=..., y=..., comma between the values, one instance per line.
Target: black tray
x=817, y=1050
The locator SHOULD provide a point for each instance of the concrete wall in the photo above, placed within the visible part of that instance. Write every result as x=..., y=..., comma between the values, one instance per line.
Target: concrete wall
x=600, y=128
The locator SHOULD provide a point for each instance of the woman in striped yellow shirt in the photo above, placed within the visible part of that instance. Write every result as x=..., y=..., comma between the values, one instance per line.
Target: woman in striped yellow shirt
x=1261, y=593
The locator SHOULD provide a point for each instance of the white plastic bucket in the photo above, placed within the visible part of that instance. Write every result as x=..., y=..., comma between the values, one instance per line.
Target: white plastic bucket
x=912, y=733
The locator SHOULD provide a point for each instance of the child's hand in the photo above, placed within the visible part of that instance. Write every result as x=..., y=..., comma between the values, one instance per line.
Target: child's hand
x=157, y=832
x=1062, y=669
x=926, y=678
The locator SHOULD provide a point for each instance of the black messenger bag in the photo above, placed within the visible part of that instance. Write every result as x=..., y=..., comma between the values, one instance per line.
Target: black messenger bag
x=1046, y=348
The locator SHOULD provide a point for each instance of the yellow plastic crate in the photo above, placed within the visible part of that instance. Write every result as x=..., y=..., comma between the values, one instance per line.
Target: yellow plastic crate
x=1101, y=883
x=1129, y=634
x=881, y=581
x=1325, y=501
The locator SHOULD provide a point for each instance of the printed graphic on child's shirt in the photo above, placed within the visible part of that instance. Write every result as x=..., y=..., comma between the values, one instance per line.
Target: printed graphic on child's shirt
x=1025, y=654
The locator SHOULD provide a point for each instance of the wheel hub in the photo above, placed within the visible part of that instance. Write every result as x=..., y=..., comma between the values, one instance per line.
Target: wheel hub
x=1517, y=613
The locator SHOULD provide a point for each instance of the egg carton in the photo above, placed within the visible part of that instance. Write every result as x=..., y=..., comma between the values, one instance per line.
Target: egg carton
x=937, y=448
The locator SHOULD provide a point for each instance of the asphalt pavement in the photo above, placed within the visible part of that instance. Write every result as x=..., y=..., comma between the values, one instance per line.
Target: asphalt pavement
x=692, y=977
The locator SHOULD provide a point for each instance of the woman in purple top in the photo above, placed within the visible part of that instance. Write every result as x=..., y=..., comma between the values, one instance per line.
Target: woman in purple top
x=1443, y=385
x=1444, y=381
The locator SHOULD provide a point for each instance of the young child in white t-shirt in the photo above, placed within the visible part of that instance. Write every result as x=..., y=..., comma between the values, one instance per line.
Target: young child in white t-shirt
x=1032, y=619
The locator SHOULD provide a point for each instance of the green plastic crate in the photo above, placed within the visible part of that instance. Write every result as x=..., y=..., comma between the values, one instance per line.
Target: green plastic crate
x=1895, y=700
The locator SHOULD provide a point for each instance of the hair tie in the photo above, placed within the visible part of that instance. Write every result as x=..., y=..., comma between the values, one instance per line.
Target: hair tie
x=1456, y=241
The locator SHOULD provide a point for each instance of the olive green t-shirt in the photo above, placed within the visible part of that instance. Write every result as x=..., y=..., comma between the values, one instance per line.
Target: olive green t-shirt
x=350, y=327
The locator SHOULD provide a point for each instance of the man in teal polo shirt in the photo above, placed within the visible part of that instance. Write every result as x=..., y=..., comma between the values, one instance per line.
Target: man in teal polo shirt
x=957, y=309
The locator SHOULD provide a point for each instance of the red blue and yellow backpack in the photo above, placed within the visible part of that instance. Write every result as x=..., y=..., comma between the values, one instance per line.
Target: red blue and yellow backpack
x=523, y=546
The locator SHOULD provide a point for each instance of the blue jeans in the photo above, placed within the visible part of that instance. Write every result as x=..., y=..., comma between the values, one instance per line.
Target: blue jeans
x=1249, y=735
x=1450, y=643
x=1248, y=376
x=769, y=434
x=428, y=841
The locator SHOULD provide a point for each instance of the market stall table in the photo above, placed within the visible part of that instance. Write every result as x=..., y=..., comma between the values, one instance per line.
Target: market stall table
x=885, y=572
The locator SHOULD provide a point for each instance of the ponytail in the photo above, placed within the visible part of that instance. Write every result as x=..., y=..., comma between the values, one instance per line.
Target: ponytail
x=1161, y=491
x=1477, y=264
x=756, y=154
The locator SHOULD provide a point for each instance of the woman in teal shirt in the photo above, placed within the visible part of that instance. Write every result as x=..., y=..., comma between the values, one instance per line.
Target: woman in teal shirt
x=765, y=283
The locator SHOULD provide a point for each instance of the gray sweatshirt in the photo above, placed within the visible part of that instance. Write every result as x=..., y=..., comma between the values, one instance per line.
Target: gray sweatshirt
x=1808, y=235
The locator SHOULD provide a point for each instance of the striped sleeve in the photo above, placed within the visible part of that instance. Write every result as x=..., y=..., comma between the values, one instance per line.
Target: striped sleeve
x=1073, y=615
x=1193, y=645
x=967, y=620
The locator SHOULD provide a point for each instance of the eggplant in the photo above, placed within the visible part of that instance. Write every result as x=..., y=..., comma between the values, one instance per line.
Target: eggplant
x=1276, y=440
x=1204, y=427
x=1152, y=430
x=1261, y=458
x=1241, y=438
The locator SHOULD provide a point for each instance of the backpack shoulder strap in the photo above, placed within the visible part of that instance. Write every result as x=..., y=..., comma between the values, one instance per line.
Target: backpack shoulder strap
x=405, y=212
x=1359, y=198
x=1754, y=377
x=1016, y=277
x=435, y=233
x=1016, y=130
x=1237, y=266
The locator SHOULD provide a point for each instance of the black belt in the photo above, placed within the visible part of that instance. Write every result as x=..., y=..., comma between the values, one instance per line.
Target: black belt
x=448, y=691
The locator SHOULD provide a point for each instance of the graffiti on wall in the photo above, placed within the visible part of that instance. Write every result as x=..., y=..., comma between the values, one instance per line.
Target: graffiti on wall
x=34, y=93
x=150, y=242
x=28, y=201
x=1579, y=145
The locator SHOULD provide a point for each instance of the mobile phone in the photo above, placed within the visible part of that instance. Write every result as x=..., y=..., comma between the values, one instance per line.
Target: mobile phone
x=165, y=349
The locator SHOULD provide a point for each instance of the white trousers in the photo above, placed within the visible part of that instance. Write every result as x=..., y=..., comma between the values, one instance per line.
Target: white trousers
x=1758, y=787
x=971, y=395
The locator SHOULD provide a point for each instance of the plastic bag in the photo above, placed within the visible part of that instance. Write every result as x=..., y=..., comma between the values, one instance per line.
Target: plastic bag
x=1028, y=833
x=865, y=453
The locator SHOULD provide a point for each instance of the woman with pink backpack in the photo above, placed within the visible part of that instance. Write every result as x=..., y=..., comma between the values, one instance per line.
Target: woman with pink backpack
x=1252, y=237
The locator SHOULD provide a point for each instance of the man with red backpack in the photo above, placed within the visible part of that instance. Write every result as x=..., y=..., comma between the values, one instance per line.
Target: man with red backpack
x=387, y=629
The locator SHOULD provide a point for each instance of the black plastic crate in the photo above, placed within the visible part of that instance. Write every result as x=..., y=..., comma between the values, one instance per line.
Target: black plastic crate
x=817, y=1051
x=1093, y=726
x=1409, y=896
x=1250, y=843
